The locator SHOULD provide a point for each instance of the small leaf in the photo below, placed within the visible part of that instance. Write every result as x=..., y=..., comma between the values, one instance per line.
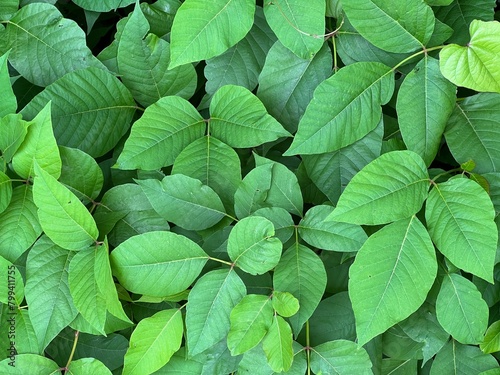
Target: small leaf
x=491, y=341
x=277, y=345
x=8, y=104
x=340, y=357
x=285, y=303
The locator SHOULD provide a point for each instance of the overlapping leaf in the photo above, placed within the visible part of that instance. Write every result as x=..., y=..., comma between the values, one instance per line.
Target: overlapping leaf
x=13, y=130
x=340, y=357
x=5, y=191
x=9, y=101
x=102, y=5
x=277, y=345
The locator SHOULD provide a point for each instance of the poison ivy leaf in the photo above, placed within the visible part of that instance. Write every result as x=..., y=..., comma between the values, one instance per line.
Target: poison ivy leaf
x=391, y=276
x=158, y=137
x=335, y=118
x=299, y=26
x=13, y=130
x=218, y=359
x=143, y=60
x=11, y=286
x=491, y=341
x=153, y=342
x=64, y=219
x=238, y=118
x=184, y=201
x=5, y=191
x=26, y=340
x=202, y=30
x=88, y=366
x=91, y=110
x=250, y=320
x=301, y=273
x=103, y=5
x=425, y=102
x=39, y=146
x=394, y=187
x=285, y=303
x=410, y=23
x=209, y=306
x=281, y=219
x=277, y=345
x=8, y=8
x=29, y=364
x=8, y=104
x=461, y=310
x=144, y=267
x=160, y=15
x=476, y=65
x=340, y=357
x=45, y=45
x=459, y=217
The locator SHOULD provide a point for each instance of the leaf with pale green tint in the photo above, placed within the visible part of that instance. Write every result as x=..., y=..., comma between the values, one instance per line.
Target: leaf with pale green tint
x=299, y=26
x=391, y=276
x=103, y=5
x=409, y=23
x=277, y=345
x=88, y=366
x=285, y=303
x=330, y=235
x=202, y=30
x=340, y=357
x=11, y=286
x=281, y=219
x=475, y=66
x=491, y=341
x=157, y=263
x=153, y=342
x=250, y=320
x=32, y=364
x=91, y=110
x=238, y=118
x=159, y=136
x=209, y=307
x=336, y=118
x=461, y=310
x=184, y=201
x=13, y=130
x=252, y=245
x=8, y=104
x=459, y=216
x=45, y=45
x=5, y=191
x=143, y=60
x=64, y=219
x=39, y=146
x=301, y=273
x=392, y=187
x=425, y=102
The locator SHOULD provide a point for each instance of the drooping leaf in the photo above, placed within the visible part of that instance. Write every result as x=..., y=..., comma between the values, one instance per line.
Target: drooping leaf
x=340, y=357
x=277, y=345
x=459, y=217
x=157, y=263
x=8, y=104
x=13, y=130
x=102, y=5
x=391, y=276
x=285, y=304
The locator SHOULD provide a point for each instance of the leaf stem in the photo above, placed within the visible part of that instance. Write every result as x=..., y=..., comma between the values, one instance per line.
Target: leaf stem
x=308, y=349
x=77, y=333
x=425, y=51
x=221, y=261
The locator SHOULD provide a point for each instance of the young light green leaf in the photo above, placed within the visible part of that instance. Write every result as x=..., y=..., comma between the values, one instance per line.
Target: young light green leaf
x=209, y=307
x=11, y=286
x=250, y=320
x=475, y=66
x=335, y=118
x=157, y=263
x=491, y=341
x=202, y=30
x=64, y=219
x=87, y=366
x=252, y=245
x=392, y=187
x=158, y=137
x=13, y=130
x=5, y=191
x=184, y=201
x=340, y=357
x=391, y=276
x=459, y=217
x=285, y=303
x=8, y=104
x=461, y=310
x=298, y=26
x=425, y=102
x=153, y=342
x=409, y=23
x=33, y=364
x=238, y=118
x=277, y=345
x=103, y=5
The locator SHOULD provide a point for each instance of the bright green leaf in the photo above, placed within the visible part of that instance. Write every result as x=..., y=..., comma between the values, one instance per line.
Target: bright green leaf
x=277, y=345
x=32, y=364
x=491, y=341
x=11, y=286
x=285, y=303
x=88, y=366
x=8, y=104
x=340, y=357
x=13, y=130
x=5, y=191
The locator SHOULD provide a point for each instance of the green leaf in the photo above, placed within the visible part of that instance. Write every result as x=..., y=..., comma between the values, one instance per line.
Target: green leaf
x=476, y=65
x=330, y=235
x=209, y=307
x=13, y=130
x=238, y=118
x=461, y=310
x=285, y=303
x=277, y=345
x=281, y=219
x=102, y=5
x=491, y=341
x=8, y=104
x=301, y=273
x=143, y=60
x=340, y=357
x=91, y=110
x=32, y=364
x=5, y=191
x=298, y=26
x=88, y=366
x=160, y=15
x=250, y=320
x=64, y=219
x=425, y=102
x=202, y=30
x=8, y=8
x=158, y=137
x=335, y=118
x=143, y=267
x=394, y=186
x=153, y=342
x=391, y=276
x=11, y=286
x=184, y=201
x=46, y=46
x=408, y=23
x=39, y=146
x=459, y=217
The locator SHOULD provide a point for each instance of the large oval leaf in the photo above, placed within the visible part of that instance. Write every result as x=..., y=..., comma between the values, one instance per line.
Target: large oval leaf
x=340, y=357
